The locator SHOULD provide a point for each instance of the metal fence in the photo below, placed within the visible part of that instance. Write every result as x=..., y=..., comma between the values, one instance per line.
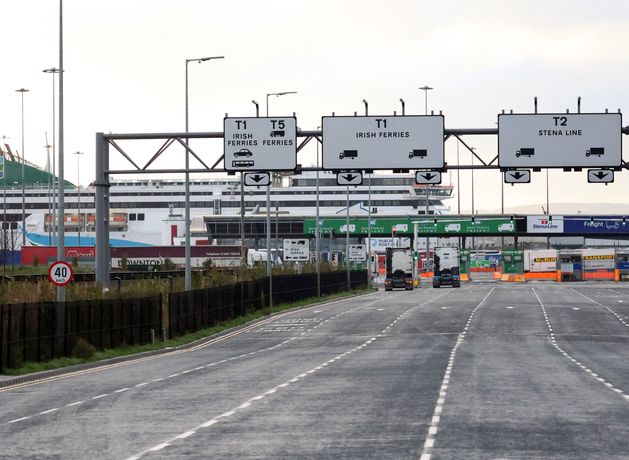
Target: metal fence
x=28, y=330
x=193, y=310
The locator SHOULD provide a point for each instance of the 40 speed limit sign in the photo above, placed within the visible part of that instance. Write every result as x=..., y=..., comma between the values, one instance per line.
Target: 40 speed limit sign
x=60, y=273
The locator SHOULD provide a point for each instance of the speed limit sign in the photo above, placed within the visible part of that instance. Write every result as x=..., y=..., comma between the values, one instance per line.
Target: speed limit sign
x=60, y=273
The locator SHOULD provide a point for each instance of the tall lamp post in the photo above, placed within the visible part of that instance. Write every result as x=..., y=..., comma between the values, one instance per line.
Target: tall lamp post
x=425, y=89
x=268, y=199
x=22, y=91
x=473, y=210
x=53, y=71
x=78, y=195
x=187, y=268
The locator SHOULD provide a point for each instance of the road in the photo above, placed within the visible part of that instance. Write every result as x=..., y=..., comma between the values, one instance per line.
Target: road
x=489, y=370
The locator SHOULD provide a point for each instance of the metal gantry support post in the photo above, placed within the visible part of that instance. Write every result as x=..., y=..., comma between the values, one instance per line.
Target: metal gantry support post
x=369, y=267
x=269, y=264
x=347, y=242
x=61, y=251
x=317, y=233
x=102, y=211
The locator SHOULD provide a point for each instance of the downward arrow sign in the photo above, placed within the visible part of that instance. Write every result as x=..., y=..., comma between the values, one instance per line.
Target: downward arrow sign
x=428, y=176
x=517, y=175
x=601, y=174
x=349, y=177
x=257, y=178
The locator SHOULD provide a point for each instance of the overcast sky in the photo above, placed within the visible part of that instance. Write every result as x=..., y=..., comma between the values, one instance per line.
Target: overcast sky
x=124, y=62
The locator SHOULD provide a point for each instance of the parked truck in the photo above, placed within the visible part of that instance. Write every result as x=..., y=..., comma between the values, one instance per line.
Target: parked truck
x=399, y=264
x=446, y=267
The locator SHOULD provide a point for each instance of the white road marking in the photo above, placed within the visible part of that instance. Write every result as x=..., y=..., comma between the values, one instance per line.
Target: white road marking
x=565, y=354
x=49, y=411
x=434, y=424
x=75, y=403
x=100, y=396
x=19, y=419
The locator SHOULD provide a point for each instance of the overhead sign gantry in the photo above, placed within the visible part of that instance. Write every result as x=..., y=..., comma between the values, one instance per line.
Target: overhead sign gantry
x=260, y=143
x=560, y=140
x=383, y=142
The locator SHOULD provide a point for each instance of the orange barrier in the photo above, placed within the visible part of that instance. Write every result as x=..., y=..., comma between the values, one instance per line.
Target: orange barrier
x=497, y=275
x=541, y=276
x=519, y=278
x=617, y=275
x=599, y=275
x=504, y=278
x=482, y=269
x=558, y=276
x=513, y=278
x=465, y=277
x=426, y=275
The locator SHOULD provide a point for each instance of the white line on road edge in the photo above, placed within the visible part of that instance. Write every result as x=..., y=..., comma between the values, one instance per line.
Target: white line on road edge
x=271, y=391
x=618, y=317
x=209, y=342
x=436, y=417
x=159, y=379
x=553, y=341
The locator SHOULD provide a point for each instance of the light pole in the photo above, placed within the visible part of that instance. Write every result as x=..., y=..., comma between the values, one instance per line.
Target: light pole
x=268, y=197
x=187, y=268
x=22, y=91
x=473, y=211
x=369, y=208
x=425, y=89
x=78, y=195
x=53, y=71
x=61, y=251
x=317, y=229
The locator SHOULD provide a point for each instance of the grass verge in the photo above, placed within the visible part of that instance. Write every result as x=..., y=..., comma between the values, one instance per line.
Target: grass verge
x=31, y=367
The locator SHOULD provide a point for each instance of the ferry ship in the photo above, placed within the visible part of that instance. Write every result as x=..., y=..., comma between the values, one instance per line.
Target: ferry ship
x=150, y=212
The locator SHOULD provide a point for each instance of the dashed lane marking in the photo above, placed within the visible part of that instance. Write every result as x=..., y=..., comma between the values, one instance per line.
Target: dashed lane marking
x=281, y=386
x=433, y=427
x=613, y=312
x=581, y=366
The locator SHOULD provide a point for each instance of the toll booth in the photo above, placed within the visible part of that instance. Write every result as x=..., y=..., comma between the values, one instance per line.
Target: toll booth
x=570, y=264
x=464, y=263
x=622, y=264
x=513, y=262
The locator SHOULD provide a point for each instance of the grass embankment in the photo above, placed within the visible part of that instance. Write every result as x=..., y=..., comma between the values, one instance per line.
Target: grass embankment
x=31, y=367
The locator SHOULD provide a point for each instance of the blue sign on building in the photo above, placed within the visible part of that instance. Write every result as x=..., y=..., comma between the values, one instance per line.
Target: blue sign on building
x=596, y=225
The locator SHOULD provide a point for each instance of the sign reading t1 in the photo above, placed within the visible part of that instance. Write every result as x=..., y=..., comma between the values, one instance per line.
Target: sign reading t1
x=260, y=143
x=383, y=142
x=559, y=140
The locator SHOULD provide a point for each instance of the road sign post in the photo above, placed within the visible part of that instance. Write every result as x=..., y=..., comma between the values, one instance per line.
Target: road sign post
x=60, y=273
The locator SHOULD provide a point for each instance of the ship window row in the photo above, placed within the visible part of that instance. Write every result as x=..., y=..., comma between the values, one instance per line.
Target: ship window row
x=231, y=204
x=133, y=216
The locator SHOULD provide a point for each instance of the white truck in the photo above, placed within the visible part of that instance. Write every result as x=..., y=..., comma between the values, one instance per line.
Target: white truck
x=446, y=264
x=399, y=265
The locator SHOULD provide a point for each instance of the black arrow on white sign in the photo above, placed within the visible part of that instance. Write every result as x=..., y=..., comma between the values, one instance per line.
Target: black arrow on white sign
x=349, y=178
x=518, y=177
x=602, y=176
x=257, y=179
x=427, y=177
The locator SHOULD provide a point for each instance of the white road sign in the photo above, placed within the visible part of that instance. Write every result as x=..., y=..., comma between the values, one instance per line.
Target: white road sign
x=357, y=253
x=349, y=178
x=559, y=140
x=263, y=144
x=522, y=176
x=257, y=179
x=427, y=177
x=383, y=142
x=602, y=176
x=296, y=250
x=60, y=273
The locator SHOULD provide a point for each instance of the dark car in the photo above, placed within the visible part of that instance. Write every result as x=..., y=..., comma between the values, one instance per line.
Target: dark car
x=243, y=153
x=348, y=154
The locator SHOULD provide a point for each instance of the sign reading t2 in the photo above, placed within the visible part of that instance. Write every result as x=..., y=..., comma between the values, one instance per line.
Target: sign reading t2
x=260, y=143
x=559, y=140
x=383, y=142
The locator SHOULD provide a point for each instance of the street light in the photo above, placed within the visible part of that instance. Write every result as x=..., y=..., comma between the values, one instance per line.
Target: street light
x=78, y=188
x=473, y=211
x=22, y=91
x=187, y=268
x=268, y=196
x=425, y=89
x=53, y=71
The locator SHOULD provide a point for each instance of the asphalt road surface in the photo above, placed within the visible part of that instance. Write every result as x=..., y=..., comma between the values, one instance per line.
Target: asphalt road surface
x=491, y=371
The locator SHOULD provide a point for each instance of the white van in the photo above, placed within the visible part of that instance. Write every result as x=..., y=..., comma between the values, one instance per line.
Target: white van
x=453, y=228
